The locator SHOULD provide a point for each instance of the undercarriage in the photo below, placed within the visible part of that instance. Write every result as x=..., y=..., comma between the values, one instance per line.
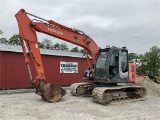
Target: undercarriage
x=109, y=94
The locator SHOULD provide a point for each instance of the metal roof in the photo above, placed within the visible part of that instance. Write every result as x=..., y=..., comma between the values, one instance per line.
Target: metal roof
x=14, y=48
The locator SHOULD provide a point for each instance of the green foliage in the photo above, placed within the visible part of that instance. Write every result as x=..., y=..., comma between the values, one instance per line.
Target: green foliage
x=132, y=56
x=56, y=46
x=14, y=40
x=150, y=61
x=75, y=49
x=41, y=45
x=47, y=44
x=64, y=47
x=82, y=51
x=3, y=40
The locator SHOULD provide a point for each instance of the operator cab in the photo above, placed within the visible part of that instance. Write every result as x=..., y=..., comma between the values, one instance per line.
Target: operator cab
x=112, y=65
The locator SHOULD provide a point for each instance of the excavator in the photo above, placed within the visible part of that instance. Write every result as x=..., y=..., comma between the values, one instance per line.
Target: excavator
x=110, y=77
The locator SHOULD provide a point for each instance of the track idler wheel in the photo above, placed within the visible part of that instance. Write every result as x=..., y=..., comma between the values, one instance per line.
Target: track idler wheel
x=50, y=92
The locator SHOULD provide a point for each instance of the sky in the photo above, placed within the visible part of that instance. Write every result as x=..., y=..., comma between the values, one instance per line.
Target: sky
x=131, y=23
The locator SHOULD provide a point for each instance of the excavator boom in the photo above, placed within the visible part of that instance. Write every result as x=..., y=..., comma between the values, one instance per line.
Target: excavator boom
x=27, y=32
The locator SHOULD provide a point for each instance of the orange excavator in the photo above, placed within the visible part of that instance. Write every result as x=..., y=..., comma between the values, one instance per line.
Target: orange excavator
x=108, y=67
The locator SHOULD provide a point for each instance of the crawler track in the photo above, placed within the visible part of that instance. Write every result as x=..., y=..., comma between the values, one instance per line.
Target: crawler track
x=109, y=95
x=118, y=94
x=81, y=89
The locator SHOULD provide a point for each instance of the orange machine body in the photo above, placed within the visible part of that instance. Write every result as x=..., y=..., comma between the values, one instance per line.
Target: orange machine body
x=132, y=72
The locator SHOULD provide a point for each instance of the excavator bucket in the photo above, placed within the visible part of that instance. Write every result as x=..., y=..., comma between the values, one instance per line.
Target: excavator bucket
x=50, y=92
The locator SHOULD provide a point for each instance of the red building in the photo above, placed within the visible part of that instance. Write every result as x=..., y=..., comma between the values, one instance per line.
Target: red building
x=14, y=73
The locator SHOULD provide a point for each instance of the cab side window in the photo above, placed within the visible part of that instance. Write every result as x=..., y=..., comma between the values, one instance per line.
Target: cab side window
x=124, y=61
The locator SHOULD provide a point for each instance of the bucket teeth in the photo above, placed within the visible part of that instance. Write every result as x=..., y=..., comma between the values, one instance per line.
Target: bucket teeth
x=50, y=92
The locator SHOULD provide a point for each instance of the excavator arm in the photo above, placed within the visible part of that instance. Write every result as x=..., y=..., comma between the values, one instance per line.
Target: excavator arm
x=29, y=42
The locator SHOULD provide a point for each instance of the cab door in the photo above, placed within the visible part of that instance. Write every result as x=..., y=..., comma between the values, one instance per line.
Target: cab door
x=114, y=63
x=118, y=66
x=100, y=66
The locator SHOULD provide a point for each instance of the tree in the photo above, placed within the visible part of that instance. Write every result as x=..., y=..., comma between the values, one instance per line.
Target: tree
x=150, y=61
x=56, y=46
x=41, y=45
x=132, y=56
x=64, y=47
x=47, y=44
x=14, y=40
x=3, y=40
x=82, y=51
x=75, y=49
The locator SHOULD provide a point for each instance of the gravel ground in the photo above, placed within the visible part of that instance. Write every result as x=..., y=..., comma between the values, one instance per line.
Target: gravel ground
x=28, y=106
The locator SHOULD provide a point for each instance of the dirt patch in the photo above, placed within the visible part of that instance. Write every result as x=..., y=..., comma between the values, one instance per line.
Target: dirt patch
x=152, y=87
